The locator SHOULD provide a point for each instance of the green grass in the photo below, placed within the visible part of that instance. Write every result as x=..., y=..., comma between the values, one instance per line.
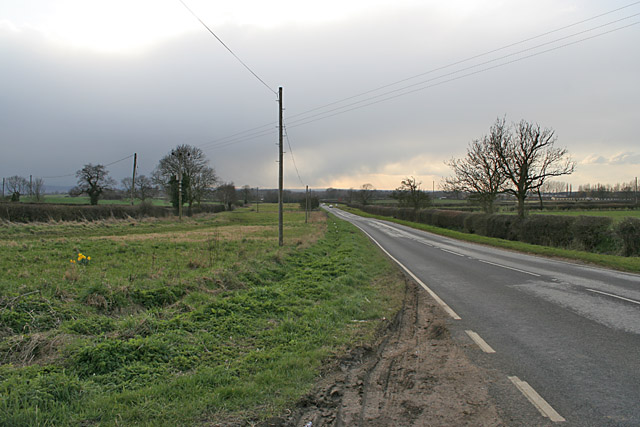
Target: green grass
x=630, y=264
x=201, y=322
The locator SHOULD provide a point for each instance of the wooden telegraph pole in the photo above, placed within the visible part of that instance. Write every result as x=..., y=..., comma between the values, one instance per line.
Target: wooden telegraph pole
x=306, y=204
x=133, y=180
x=179, y=154
x=280, y=168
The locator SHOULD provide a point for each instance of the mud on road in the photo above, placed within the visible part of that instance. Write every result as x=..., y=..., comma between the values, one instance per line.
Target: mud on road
x=414, y=375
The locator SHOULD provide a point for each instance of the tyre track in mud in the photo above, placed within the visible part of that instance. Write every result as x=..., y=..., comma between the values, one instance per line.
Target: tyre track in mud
x=415, y=375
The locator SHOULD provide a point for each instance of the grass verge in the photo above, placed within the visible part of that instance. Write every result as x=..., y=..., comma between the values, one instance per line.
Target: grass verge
x=201, y=322
x=629, y=264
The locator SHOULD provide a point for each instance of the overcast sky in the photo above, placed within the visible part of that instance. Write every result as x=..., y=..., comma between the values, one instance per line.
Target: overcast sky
x=95, y=81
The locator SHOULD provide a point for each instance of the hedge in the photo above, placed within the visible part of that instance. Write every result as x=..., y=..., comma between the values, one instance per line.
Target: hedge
x=592, y=234
x=43, y=212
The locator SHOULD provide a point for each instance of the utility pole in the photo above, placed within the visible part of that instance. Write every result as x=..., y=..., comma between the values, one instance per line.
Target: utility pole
x=133, y=180
x=257, y=199
x=635, y=191
x=280, y=170
x=3, y=188
x=30, y=185
x=306, y=210
x=179, y=155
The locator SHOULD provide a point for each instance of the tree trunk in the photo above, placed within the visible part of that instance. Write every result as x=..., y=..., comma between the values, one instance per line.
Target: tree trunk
x=521, y=198
x=540, y=198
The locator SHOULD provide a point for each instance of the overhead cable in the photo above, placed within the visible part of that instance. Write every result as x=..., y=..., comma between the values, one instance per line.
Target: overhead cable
x=228, y=48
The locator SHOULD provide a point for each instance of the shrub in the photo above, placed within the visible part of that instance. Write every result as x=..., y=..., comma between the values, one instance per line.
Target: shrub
x=476, y=223
x=591, y=232
x=503, y=226
x=629, y=232
x=548, y=230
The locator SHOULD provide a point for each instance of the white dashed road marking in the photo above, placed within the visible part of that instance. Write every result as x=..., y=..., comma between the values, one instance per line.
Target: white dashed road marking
x=480, y=342
x=615, y=296
x=510, y=268
x=545, y=409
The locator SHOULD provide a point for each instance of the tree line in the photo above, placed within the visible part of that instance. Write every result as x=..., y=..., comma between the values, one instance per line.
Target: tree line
x=185, y=164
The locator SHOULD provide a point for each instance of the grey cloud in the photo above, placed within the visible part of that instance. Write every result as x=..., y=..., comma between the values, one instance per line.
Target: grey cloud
x=62, y=108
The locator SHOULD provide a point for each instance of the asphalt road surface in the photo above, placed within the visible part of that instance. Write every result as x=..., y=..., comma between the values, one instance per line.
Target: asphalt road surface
x=561, y=340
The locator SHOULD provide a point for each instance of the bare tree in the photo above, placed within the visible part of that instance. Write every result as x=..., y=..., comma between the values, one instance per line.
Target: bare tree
x=366, y=193
x=93, y=181
x=529, y=158
x=17, y=186
x=37, y=188
x=203, y=183
x=127, y=183
x=227, y=194
x=246, y=194
x=479, y=173
x=409, y=194
x=144, y=187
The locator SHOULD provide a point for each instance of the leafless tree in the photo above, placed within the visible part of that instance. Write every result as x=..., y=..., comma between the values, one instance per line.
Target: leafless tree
x=37, y=189
x=479, y=173
x=529, y=158
x=93, y=180
x=227, y=194
x=144, y=187
x=126, y=184
x=366, y=193
x=409, y=194
x=17, y=186
x=246, y=194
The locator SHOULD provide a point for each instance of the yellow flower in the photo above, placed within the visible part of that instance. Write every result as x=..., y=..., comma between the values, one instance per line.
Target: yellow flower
x=88, y=258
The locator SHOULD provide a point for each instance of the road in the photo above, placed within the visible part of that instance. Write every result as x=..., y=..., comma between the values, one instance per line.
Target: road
x=566, y=336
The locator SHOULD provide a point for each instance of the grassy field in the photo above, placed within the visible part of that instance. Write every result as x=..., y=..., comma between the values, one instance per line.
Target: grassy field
x=195, y=323
x=630, y=264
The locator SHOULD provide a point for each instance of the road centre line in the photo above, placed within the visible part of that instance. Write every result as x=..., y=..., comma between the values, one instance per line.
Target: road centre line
x=439, y=300
x=451, y=252
x=510, y=268
x=541, y=405
x=480, y=342
x=614, y=296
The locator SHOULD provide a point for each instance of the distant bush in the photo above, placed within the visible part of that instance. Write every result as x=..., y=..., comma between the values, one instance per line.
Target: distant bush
x=207, y=208
x=628, y=231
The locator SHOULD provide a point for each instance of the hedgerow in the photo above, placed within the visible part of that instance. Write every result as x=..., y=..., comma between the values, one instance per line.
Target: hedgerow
x=592, y=234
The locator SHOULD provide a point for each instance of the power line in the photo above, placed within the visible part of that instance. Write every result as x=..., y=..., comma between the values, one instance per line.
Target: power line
x=468, y=59
x=385, y=96
x=236, y=135
x=452, y=79
x=463, y=69
x=293, y=159
x=74, y=174
x=227, y=47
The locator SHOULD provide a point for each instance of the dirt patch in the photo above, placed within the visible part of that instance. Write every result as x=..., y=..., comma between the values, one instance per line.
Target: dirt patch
x=415, y=376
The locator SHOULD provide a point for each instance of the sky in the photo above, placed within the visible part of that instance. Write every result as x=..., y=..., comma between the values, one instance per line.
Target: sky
x=373, y=91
